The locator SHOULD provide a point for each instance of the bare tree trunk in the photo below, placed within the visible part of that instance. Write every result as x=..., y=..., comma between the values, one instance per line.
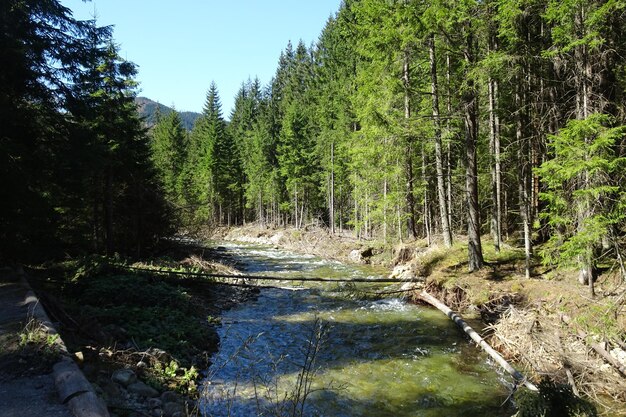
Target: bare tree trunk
x=475, y=251
x=494, y=146
x=426, y=214
x=331, y=206
x=296, y=206
x=385, y=209
x=524, y=168
x=449, y=148
x=441, y=192
x=410, y=198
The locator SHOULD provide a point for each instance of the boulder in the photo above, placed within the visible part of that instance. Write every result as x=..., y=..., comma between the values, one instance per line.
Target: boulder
x=403, y=272
x=361, y=256
x=153, y=403
x=170, y=397
x=124, y=377
x=170, y=409
x=143, y=390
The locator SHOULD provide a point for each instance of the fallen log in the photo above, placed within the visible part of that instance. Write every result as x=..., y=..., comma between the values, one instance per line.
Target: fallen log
x=456, y=318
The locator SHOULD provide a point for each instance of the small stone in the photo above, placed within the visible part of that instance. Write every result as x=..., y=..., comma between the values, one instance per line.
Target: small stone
x=142, y=365
x=169, y=409
x=170, y=397
x=80, y=358
x=143, y=390
x=124, y=377
x=154, y=403
x=157, y=412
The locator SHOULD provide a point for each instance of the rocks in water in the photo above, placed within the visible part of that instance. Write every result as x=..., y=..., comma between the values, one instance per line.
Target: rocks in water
x=361, y=256
x=124, y=377
x=142, y=389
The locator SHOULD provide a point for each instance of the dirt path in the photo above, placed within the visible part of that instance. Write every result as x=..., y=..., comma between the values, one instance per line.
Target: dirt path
x=26, y=382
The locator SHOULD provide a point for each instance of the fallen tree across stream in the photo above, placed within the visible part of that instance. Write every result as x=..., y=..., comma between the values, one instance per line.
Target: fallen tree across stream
x=261, y=277
x=517, y=375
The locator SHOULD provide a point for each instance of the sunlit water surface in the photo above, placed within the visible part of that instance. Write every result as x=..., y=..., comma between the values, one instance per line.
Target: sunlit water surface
x=376, y=358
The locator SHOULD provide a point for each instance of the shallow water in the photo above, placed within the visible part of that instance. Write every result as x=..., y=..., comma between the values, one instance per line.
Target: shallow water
x=378, y=357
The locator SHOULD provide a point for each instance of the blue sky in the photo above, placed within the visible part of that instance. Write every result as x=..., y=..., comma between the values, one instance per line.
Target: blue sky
x=181, y=46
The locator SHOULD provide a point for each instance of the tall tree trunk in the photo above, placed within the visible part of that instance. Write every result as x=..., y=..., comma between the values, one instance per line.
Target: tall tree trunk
x=331, y=206
x=583, y=80
x=496, y=169
x=494, y=145
x=410, y=198
x=524, y=172
x=475, y=251
x=426, y=205
x=449, y=147
x=441, y=191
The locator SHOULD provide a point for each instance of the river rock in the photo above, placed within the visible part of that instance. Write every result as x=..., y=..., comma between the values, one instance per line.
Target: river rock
x=412, y=286
x=169, y=409
x=361, y=256
x=153, y=403
x=143, y=390
x=124, y=377
x=402, y=272
x=170, y=397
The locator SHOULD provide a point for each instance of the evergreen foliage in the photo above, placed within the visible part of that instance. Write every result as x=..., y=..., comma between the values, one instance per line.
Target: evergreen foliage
x=76, y=168
x=402, y=120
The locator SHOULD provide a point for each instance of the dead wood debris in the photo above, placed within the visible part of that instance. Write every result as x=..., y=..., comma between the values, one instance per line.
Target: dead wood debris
x=546, y=349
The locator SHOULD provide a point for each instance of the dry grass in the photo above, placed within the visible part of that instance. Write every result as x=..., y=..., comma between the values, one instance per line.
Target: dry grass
x=545, y=347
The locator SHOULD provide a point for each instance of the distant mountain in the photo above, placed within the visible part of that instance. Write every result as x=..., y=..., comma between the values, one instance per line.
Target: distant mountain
x=148, y=110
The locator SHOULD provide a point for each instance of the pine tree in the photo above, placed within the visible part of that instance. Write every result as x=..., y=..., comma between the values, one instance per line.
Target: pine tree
x=169, y=148
x=583, y=177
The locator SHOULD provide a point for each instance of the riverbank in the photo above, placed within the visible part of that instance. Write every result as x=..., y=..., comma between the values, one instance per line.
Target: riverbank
x=141, y=339
x=546, y=325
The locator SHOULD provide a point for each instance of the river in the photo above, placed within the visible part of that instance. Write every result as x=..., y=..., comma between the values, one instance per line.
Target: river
x=364, y=354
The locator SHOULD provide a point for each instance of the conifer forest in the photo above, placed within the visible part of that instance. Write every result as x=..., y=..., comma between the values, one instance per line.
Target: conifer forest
x=444, y=120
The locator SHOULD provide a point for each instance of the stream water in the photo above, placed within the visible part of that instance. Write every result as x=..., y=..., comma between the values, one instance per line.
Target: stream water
x=375, y=356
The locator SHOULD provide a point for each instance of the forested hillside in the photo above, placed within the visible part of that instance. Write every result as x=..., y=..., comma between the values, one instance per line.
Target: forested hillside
x=150, y=110
x=427, y=120
x=404, y=120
